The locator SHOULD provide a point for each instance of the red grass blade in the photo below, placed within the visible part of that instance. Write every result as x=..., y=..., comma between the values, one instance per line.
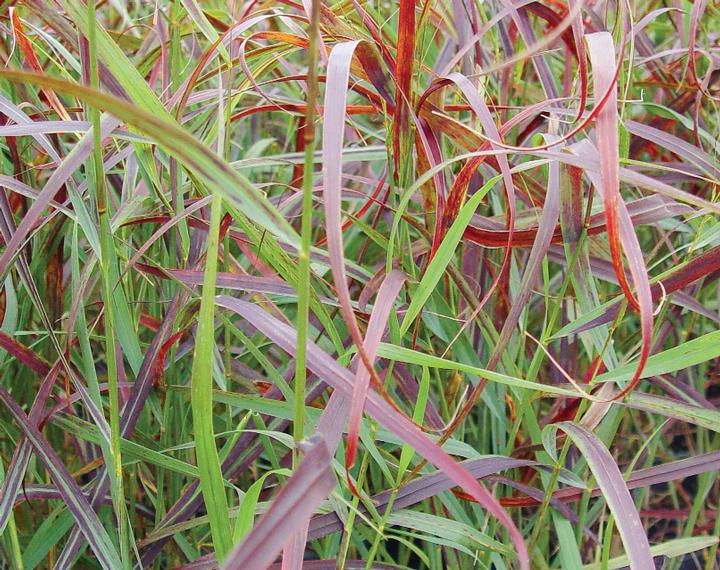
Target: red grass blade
x=404, y=63
x=32, y=60
x=619, y=226
x=23, y=354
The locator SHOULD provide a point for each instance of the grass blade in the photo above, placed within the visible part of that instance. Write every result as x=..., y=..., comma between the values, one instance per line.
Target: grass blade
x=208, y=462
x=615, y=492
x=296, y=502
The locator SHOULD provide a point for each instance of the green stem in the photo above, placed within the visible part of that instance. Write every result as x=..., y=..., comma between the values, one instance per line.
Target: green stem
x=107, y=250
x=306, y=228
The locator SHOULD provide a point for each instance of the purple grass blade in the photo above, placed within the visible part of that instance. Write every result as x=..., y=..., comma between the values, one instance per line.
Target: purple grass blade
x=634, y=178
x=615, y=492
x=162, y=230
x=331, y=422
x=418, y=490
x=37, y=492
x=338, y=73
x=657, y=474
x=294, y=549
x=44, y=127
x=604, y=271
x=488, y=123
x=333, y=419
x=346, y=565
x=246, y=450
x=86, y=518
x=208, y=562
x=706, y=265
x=296, y=502
x=674, y=470
x=521, y=20
x=18, y=465
x=251, y=283
x=10, y=110
x=683, y=149
x=23, y=354
x=24, y=190
x=8, y=231
x=622, y=239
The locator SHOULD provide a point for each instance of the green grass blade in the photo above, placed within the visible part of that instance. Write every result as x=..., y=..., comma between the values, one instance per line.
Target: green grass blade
x=208, y=462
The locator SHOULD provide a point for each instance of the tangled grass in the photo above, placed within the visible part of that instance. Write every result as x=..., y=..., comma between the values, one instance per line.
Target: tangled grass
x=359, y=285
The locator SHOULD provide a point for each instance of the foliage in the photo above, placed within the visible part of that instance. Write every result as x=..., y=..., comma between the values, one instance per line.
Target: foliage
x=359, y=285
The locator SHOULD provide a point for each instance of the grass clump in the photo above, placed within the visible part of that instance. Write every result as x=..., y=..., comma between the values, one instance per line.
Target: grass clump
x=359, y=285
